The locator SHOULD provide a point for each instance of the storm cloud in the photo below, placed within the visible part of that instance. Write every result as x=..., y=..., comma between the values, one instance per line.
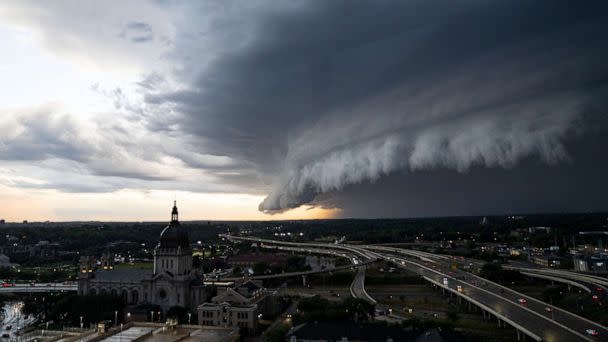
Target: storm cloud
x=324, y=95
x=328, y=103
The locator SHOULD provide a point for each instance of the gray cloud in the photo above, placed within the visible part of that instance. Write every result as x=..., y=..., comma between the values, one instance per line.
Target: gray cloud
x=318, y=102
x=137, y=32
x=323, y=95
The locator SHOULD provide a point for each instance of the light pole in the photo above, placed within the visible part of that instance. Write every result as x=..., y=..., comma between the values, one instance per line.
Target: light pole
x=152, y=319
x=115, y=318
x=189, y=317
x=80, y=323
x=120, y=332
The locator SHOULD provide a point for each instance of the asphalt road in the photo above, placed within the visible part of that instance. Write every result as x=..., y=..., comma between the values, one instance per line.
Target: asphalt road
x=556, y=327
x=532, y=315
x=357, y=287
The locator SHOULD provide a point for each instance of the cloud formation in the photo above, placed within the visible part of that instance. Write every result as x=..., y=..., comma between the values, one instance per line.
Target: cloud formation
x=324, y=95
x=307, y=102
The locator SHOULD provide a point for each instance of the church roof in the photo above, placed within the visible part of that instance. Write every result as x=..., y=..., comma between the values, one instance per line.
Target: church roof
x=174, y=235
x=230, y=296
x=122, y=275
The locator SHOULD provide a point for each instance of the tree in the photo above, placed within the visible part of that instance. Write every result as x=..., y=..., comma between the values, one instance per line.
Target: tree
x=452, y=315
x=276, y=334
x=295, y=264
x=69, y=308
x=495, y=272
x=260, y=267
x=358, y=309
x=178, y=312
x=196, y=262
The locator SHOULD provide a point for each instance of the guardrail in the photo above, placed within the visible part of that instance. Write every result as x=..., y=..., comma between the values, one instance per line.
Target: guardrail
x=557, y=279
x=564, y=274
x=582, y=337
x=488, y=309
x=367, y=298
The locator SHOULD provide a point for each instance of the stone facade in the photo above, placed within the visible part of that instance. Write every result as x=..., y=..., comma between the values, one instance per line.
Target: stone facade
x=229, y=309
x=171, y=282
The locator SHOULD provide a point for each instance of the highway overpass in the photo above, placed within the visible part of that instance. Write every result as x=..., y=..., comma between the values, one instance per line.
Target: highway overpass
x=531, y=319
x=39, y=288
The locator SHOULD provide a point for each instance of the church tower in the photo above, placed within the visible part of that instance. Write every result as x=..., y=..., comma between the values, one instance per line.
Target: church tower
x=173, y=254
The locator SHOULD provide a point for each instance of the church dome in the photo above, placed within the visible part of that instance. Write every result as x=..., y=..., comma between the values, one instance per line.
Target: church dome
x=174, y=236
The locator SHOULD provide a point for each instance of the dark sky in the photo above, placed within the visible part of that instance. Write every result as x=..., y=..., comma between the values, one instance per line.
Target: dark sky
x=379, y=108
x=401, y=108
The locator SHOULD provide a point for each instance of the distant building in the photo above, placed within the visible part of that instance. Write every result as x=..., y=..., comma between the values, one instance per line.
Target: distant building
x=551, y=261
x=318, y=262
x=172, y=282
x=2, y=222
x=248, y=260
x=535, y=230
x=5, y=261
x=230, y=308
x=596, y=264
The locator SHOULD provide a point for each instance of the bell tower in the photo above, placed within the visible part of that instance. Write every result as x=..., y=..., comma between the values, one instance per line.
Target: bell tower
x=173, y=254
x=174, y=215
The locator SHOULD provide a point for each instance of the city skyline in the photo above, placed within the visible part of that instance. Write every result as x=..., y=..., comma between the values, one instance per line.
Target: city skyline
x=273, y=110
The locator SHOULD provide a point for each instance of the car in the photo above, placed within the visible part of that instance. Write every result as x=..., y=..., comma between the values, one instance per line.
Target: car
x=595, y=297
x=592, y=332
x=599, y=289
x=548, y=309
x=8, y=327
x=5, y=335
x=459, y=288
x=522, y=300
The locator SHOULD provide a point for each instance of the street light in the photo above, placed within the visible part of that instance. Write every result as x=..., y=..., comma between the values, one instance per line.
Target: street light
x=189, y=317
x=80, y=323
x=115, y=318
x=152, y=313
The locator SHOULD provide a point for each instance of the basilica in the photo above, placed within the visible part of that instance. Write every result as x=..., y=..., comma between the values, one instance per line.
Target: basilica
x=171, y=282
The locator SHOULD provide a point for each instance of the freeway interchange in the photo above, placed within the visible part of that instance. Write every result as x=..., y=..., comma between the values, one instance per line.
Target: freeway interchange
x=530, y=317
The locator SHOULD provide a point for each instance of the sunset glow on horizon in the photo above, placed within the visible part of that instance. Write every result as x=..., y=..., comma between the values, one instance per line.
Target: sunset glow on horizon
x=135, y=206
x=260, y=110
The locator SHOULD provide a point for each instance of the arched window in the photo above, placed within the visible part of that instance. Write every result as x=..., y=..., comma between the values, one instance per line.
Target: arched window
x=134, y=296
x=103, y=292
x=124, y=295
x=93, y=292
x=113, y=292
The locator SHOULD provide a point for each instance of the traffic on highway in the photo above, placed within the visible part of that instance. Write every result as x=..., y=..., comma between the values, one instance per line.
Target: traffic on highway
x=532, y=317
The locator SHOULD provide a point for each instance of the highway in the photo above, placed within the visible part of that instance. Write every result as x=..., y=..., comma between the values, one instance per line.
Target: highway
x=357, y=287
x=596, y=281
x=574, y=322
x=559, y=325
x=531, y=318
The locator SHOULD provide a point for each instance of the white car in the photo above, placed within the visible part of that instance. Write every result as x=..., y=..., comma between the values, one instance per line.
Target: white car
x=592, y=332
